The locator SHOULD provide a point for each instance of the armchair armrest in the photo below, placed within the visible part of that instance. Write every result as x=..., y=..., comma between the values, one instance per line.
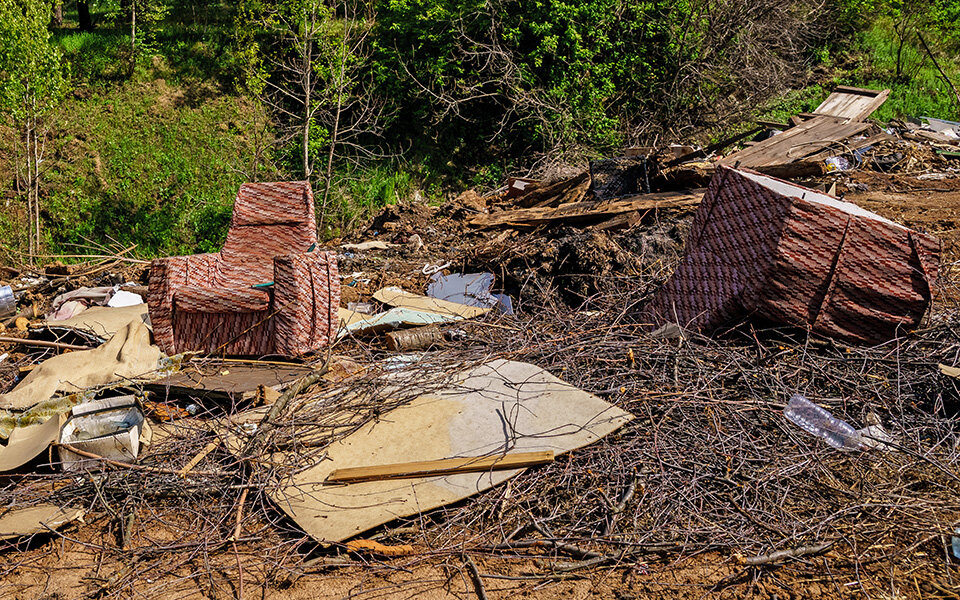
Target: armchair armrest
x=166, y=275
x=306, y=301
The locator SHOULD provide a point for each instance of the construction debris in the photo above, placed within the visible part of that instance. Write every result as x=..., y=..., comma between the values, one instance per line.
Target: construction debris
x=110, y=428
x=461, y=434
x=229, y=382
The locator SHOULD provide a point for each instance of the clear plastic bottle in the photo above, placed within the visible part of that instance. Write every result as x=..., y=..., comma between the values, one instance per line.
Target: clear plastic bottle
x=819, y=422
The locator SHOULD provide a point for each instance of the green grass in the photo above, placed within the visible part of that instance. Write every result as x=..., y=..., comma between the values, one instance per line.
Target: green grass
x=143, y=164
x=95, y=56
x=919, y=91
x=358, y=194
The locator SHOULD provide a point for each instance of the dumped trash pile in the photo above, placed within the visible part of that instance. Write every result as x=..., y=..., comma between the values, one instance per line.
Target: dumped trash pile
x=667, y=375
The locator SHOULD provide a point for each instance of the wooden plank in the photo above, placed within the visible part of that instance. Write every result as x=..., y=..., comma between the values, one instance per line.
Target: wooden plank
x=855, y=104
x=561, y=192
x=226, y=382
x=803, y=168
x=445, y=466
x=775, y=146
x=846, y=89
x=588, y=211
x=774, y=124
x=797, y=143
x=624, y=221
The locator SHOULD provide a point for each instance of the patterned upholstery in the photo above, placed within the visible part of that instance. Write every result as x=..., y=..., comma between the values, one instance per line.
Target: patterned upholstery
x=207, y=302
x=762, y=246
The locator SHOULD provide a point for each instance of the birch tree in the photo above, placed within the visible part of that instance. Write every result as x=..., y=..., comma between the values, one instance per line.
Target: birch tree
x=32, y=83
x=308, y=61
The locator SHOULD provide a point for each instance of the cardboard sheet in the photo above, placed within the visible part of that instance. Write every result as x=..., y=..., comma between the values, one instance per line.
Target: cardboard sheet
x=350, y=317
x=127, y=354
x=395, y=318
x=35, y=519
x=499, y=407
x=397, y=297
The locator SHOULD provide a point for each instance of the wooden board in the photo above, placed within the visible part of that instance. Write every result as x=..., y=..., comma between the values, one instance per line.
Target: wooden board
x=796, y=143
x=226, y=381
x=588, y=211
x=561, y=192
x=852, y=103
x=444, y=466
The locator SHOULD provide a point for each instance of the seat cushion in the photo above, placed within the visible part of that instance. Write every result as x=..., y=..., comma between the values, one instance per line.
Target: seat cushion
x=197, y=299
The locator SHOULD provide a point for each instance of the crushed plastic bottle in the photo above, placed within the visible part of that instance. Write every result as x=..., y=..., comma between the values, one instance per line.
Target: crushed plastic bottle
x=819, y=422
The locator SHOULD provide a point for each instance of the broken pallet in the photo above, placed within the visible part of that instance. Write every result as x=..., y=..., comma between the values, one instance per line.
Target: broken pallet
x=795, y=144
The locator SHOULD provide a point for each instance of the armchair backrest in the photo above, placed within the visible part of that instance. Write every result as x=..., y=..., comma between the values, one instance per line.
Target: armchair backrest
x=270, y=219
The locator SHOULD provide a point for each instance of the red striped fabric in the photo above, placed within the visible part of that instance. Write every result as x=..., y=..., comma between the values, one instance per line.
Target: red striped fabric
x=205, y=302
x=766, y=247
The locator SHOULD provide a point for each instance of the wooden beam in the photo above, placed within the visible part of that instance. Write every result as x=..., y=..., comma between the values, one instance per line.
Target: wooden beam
x=774, y=124
x=43, y=344
x=846, y=89
x=445, y=466
x=587, y=211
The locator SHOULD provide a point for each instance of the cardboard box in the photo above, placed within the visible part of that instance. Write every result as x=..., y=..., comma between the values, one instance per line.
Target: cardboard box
x=110, y=428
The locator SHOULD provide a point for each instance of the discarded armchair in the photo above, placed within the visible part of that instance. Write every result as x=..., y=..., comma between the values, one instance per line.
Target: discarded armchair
x=266, y=292
x=787, y=254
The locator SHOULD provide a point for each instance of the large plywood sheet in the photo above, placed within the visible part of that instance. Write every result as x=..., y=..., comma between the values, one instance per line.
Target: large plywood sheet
x=855, y=104
x=499, y=407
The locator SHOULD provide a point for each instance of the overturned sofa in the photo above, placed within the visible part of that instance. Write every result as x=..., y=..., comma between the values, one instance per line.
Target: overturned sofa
x=268, y=291
x=763, y=247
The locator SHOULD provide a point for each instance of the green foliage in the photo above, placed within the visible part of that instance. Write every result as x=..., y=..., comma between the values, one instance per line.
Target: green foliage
x=471, y=91
x=356, y=195
x=32, y=77
x=795, y=102
x=539, y=75
x=144, y=167
x=920, y=90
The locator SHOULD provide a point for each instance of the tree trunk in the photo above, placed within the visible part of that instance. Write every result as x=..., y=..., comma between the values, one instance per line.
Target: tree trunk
x=28, y=139
x=29, y=189
x=307, y=115
x=37, y=153
x=83, y=15
x=56, y=19
x=133, y=36
x=333, y=135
